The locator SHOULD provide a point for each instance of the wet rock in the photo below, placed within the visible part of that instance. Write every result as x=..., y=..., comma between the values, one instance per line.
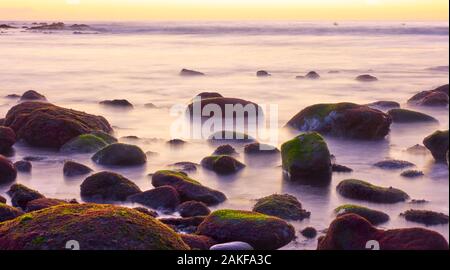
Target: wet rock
x=51, y=228
x=32, y=95
x=259, y=148
x=188, y=188
x=8, y=172
x=222, y=164
x=425, y=217
x=437, y=143
x=7, y=138
x=284, y=206
x=13, y=96
x=236, y=245
x=309, y=232
x=392, y=164
x=46, y=125
x=7, y=212
x=230, y=136
x=146, y=211
x=412, y=173
x=120, y=103
x=185, y=166
x=23, y=166
x=361, y=190
x=109, y=139
x=417, y=150
x=225, y=149
x=34, y=158
x=5, y=26
x=53, y=26
x=120, y=154
x=198, y=242
x=346, y=120
x=21, y=195
x=164, y=197
x=192, y=209
x=43, y=203
x=352, y=232
x=190, y=73
x=108, y=186
x=262, y=73
x=408, y=116
x=340, y=168
x=312, y=75
x=72, y=169
x=366, y=78
x=187, y=225
x=421, y=201
x=176, y=142
x=435, y=97
x=384, y=104
x=373, y=216
x=306, y=159
x=258, y=230
x=85, y=143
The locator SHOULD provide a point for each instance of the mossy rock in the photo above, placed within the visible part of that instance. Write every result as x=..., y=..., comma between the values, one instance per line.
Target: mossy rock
x=21, y=195
x=188, y=188
x=373, y=216
x=94, y=226
x=259, y=230
x=222, y=164
x=120, y=154
x=437, y=143
x=408, y=116
x=284, y=206
x=86, y=143
x=425, y=217
x=306, y=158
x=198, y=242
x=108, y=186
x=164, y=197
x=109, y=139
x=361, y=190
x=8, y=212
x=43, y=203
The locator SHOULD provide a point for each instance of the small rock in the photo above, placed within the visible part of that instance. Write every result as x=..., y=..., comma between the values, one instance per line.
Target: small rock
x=13, y=96
x=408, y=116
x=150, y=106
x=72, y=169
x=86, y=143
x=176, y=142
x=198, y=242
x=412, y=173
x=236, y=245
x=7, y=212
x=188, y=72
x=32, y=95
x=393, y=164
x=188, y=224
x=373, y=216
x=262, y=73
x=366, y=78
x=340, y=168
x=222, y=164
x=164, y=197
x=206, y=95
x=21, y=195
x=309, y=232
x=122, y=103
x=193, y=208
x=225, y=149
x=361, y=190
x=258, y=148
x=185, y=166
x=230, y=136
x=417, y=150
x=421, y=201
x=8, y=172
x=120, y=154
x=108, y=186
x=312, y=75
x=425, y=217
x=284, y=206
x=23, y=166
x=437, y=143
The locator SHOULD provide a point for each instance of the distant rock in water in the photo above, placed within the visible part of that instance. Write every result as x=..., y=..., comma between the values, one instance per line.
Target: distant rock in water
x=23, y=166
x=439, y=68
x=412, y=173
x=12, y=96
x=230, y=136
x=120, y=103
x=72, y=169
x=284, y=206
x=225, y=149
x=6, y=26
x=437, y=143
x=384, y=104
x=205, y=95
x=425, y=217
x=189, y=72
x=408, y=116
x=32, y=95
x=366, y=78
x=394, y=164
x=262, y=73
x=417, y=150
x=312, y=75
x=435, y=97
x=52, y=26
x=340, y=168
x=259, y=148
x=222, y=164
x=361, y=190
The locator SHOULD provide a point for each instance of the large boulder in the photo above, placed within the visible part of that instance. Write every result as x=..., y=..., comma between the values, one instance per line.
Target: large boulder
x=373, y=216
x=408, y=116
x=284, y=206
x=346, y=120
x=21, y=195
x=188, y=188
x=361, y=190
x=108, y=186
x=437, y=143
x=8, y=172
x=120, y=154
x=259, y=230
x=353, y=232
x=435, y=97
x=425, y=217
x=46, y=125
x=8, y=212
x=222, y=164
x=93, y=226
x=306, y=159
x=7, y=138
x=85, y=143
x=164, y=197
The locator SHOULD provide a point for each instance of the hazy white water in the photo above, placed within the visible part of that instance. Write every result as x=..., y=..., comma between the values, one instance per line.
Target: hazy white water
x=140, y=62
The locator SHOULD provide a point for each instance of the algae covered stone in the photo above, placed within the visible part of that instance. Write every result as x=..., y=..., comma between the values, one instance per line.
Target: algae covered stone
x=21, y=195
x=361, y=190
x=284, y=206
x=222, y=164
x=120, y=154
x=426, y=217
x=108, y=186
x=373, y=216
x=8, y=212
x=94, y=226
x=259, y=230
x=85, y=143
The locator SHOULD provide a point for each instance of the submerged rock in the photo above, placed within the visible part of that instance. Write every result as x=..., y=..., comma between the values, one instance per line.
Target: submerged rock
x=7, y=138
x=384, y=104
x=412, y=173
x=205, y=95
x=394, y=164
x=72, y=169
x=222, y=108
x=340, y=168
x=189, y=73
x=425, y=217
x=437, y=143
x=188, y=188
x=352, y=232
x=417, y=150
x=306, y=159
x=176, y=142
x=8, y=172
x=259, y=148
x=21, y=195
x=108, y=186
x=312, y=75
x=120, y=154
x=198, y=242
x=222, y=164
x=85, y=143
x=408, y=116
x=309, y=232
x=122, y=103
x=164, y=197
x=373, y=216
x=46, y=125
x=32, y=95
x=361, y=190
x=346, y=120
x=127, y=229
x=258, y=230
x=236, y=245
x=8, y=212
x=230, y=136
x=284, y=206
x=23, y=166
x=43, y=203
x=262, y=73
x=192, y=209
x=366, y=78
x=435, y=97
x=185, y=166
x=225, y=149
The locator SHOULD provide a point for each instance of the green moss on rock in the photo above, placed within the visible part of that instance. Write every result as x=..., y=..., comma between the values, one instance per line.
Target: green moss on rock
x=86, y=143
x=222, y=164
x=373, y=216
x=361, y=190
x=284, y=206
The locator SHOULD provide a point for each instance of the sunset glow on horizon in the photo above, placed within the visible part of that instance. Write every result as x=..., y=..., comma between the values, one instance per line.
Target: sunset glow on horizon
x=224, y=9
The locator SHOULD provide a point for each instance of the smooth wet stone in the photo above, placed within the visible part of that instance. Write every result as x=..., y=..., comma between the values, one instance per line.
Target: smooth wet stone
x=437, y=143
x=352, y=232
x=412, y=174
x=347, y=120
x=120, y=154
x=198, y=242
x=192, y=209
x=259, y=230
x=222, y=164
x=94, y=226
x=425, y=217
x=21, y=195
x=72, y=169
x=46, y=125
x=361, y=190
x=262, y=73
x=164, y=197
x=312, y=75
x=43, y=203
x=23, y=166
x=119, y=103
x=366, y=78
x=85, y=143
x=309, y=232
x=284, y=206
x=8, y=212
x=232, y=246
x=7, y=138
x=306, y=159
x=188, y=188
x=384, y=104
x=191, y=73
x=32, y=95
x=436, y=97
x=8, y=172
x=340, y=168
x=393, y=164
x=259, y=148
x=408, y=116
x=146, y=211
x=373, y=216
x=108, y=186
